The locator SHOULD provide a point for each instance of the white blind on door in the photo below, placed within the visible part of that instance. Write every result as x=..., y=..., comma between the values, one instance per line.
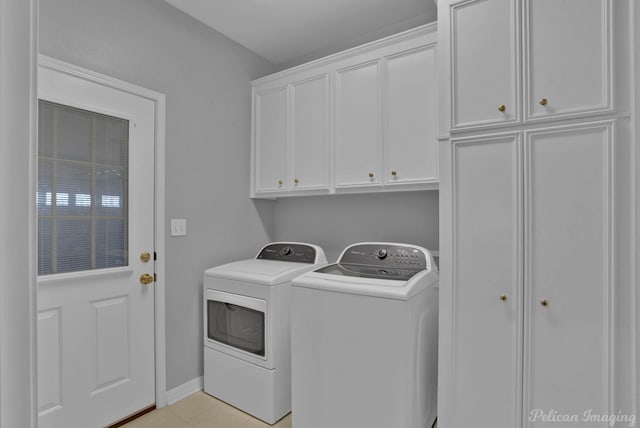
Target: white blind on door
x=82, y=194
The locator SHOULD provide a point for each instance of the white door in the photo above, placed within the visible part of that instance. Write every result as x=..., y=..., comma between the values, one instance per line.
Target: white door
x=485, y=37
x=95, y=202
x=358, y=130
x=411, y=143
x=271, y=140
x=568, y=274
x=486, y=321
x=557, y=83
x=310, y=131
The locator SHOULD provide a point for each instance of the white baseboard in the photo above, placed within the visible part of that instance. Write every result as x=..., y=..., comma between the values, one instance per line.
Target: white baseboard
x=184, y=390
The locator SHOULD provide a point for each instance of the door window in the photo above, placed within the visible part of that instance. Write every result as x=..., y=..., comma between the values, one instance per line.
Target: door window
x=82, y=195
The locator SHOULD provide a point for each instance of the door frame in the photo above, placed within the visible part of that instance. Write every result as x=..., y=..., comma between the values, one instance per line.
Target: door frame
x=159, y=101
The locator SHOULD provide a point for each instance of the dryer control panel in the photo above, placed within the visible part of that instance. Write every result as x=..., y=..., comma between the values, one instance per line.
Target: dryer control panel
x=288, y=252
x=383, y=254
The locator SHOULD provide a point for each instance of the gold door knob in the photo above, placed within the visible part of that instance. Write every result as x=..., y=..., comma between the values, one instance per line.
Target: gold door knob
x=394, y=173
x=296, y=181
x=146, y=279
x=504, y=297
x=371, y=175
x=502, y=107
x=145, y=257
x=544, y=302
x=280, y=182
x=543, y=101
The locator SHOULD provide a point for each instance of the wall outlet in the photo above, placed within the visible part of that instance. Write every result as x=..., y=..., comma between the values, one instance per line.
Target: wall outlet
x=178, y=227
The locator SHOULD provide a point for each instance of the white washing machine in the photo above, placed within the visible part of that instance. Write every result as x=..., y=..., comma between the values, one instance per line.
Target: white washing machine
x=247, y=328
x=365, y=340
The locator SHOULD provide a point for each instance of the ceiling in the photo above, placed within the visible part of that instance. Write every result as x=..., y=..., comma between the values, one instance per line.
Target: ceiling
x=289, y=31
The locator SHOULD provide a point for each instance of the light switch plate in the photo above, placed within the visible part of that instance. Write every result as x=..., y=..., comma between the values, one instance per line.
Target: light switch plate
x=178, y=227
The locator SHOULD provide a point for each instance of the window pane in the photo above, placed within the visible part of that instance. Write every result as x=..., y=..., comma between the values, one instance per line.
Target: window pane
x=45, y=129
x=43, y=195
x=82, y=193
x=112, y=137
x=111, y=236
x=72, y=180
x=111, y=191
x=73, y=133
x=73, y=245
x=44, y=246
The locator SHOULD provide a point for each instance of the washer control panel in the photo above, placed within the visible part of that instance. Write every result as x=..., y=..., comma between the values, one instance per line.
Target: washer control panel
x=288, y=252
x=385, y=255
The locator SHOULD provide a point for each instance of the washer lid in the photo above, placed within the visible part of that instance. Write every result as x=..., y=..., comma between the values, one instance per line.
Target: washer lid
x=268, y=272
x=378, y=269
x=374, y=287
x=367, y=271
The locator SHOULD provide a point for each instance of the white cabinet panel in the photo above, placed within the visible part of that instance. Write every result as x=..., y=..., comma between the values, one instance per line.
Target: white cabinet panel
x=485, y=37
x=485, y=320
x=271, y=140
x=568, y=278
x=411, y=154
x=310, y=130
x=357, y=122
x=111, y=332
x=567, y=46
x=50, y=397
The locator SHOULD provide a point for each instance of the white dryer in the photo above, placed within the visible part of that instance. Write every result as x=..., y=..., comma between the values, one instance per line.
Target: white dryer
x=247, y=328
x=364, y=340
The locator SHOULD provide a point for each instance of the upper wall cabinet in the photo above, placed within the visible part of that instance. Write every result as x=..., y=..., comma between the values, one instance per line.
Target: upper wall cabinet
x=565, y=61
x=291, y=136
x=362, y=120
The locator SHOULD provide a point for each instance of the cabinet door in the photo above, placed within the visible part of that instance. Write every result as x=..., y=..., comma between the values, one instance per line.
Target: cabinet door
x=567, y=53
x=310, y=134
x=568, y=254
x=485, y=38
x=271, y=140
x=357, y=122
x=410, y=112
x=485, y=318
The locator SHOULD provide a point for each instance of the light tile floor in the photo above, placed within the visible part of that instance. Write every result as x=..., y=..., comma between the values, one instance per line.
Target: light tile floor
x=200, y=410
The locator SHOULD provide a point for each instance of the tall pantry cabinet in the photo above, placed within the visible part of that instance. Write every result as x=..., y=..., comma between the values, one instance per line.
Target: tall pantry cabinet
x=535, y=297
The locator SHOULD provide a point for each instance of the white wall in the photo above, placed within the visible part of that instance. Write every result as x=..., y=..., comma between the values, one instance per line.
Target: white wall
x=333, y=222
x=205, y=77
x=17, y=187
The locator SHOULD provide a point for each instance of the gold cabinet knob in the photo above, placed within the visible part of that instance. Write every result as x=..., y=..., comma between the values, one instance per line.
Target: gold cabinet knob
x=394, y=173
x=145, y=257
x=146, y=279
x=504, y=297
x=280, y=182
x=502, y=108
x=543, y=101
x=544, y=302
x=296, y=181
x=371, y=175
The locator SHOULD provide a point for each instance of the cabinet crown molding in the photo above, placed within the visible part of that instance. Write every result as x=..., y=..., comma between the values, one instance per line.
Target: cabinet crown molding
x=413, y=33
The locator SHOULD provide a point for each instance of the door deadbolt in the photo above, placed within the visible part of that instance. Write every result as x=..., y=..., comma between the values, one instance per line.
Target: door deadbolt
x=145, y=257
